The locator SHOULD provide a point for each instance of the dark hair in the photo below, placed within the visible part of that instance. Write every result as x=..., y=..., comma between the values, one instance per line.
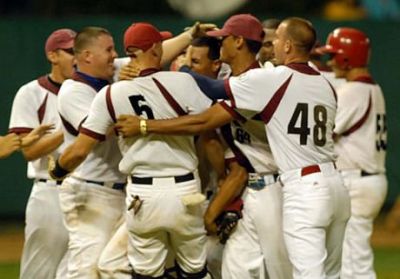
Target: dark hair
x=86, y=35
x=253, y=46
x=271, y=23
x=212, y=43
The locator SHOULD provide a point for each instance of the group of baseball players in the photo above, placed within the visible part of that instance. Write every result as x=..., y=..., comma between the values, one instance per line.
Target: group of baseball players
x=249, y=158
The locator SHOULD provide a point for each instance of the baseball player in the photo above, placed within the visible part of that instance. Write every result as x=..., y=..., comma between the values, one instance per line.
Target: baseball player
x=34, y=104
x=164, y=206
x=92, y=197
x=361, y=134
x=258, y=236
x=298, y=107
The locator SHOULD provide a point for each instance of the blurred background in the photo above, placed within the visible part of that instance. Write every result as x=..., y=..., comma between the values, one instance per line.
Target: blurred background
x=25, y=25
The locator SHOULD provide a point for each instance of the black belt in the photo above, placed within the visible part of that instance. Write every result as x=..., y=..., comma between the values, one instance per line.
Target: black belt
x=149, y=180
x=116, y=186
x=364, y=173
x=58, y=182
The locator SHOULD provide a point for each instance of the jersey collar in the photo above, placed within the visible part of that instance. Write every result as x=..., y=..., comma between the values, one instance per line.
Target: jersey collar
x=303, y=68
x=47, y=83
x=95, y=83
x=148, y=71
x=365, y=79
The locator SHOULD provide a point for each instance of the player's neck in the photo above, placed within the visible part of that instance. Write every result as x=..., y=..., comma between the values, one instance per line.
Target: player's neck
x=56, y=75
x=242, y=63
x=356, y=73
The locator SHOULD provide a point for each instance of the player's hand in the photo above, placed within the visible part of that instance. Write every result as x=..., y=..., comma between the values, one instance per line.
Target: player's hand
x=184, y=59
x=210, y=225
x=199, y=29
x=128, y=125
x=36, y=134
x=129, y=72
x=9, y=144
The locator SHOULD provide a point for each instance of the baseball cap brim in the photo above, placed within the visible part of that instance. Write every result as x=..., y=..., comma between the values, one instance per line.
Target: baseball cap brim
x=218, y=33
x=327, y=49
x=166, y=35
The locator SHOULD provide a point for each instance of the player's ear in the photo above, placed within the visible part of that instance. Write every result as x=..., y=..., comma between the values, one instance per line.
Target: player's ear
x=52, y=56
x=216, y=65
x=239, y=41
x=287, y=46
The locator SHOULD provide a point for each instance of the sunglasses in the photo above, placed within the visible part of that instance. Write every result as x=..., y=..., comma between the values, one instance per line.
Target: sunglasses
x=68, y=50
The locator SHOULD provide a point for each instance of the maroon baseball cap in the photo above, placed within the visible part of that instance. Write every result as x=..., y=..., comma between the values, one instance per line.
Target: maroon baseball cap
x=245, y=25
x=60, y=39
x=143, y=35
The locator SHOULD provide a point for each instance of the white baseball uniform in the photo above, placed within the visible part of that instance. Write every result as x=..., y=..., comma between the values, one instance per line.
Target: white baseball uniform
x=92, y=197
x=361, y=146
x=46, y=237
x=162, y=169
x=259, y=234
x=298, y=107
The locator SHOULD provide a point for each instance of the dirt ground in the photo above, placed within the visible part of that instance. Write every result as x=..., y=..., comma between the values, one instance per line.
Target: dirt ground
x=12, y=235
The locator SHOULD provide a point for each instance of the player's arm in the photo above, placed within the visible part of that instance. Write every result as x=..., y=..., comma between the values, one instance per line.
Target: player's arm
x=214, y=151
x=8, y=144
x=230, y=189
x=36, y=134
x=174, y=46
x=44, y=146
x=73, y=156
x=214, y=117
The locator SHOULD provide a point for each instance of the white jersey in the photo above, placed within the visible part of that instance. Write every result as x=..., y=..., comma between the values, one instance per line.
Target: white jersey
x=248, y=144
x=34, y=104
x=157, y=95
x=298, y=107
x=361, y=126
x=74, y=102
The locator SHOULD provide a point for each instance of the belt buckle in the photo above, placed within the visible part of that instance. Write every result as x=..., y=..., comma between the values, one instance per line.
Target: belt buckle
x=256, y=181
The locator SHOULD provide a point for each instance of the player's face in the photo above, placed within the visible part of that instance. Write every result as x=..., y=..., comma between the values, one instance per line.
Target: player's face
x=102, y=57
x=66, y=62
x=201, y=63
x=266, y=52
x=279, y=45
x=228, y=49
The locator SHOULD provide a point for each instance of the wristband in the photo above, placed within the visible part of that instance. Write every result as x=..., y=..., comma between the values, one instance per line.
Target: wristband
x=58, y=172
x=143, y=126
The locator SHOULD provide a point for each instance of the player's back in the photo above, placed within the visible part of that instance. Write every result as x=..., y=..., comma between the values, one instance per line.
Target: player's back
x=361, y=126
x=158, y=95
x=298, y=106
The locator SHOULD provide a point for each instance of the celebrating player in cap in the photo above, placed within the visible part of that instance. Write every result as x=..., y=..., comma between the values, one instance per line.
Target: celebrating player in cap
x=36, y=104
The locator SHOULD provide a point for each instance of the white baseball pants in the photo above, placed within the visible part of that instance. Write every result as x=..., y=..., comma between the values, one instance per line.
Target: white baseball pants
x=46, y=237
x=367, y=195
x=92, y=214
x=316, y=207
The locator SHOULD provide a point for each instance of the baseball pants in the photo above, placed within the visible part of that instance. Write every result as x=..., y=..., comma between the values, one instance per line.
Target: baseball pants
x=163, y=221
x=367, y=195
x=46, y=237
x=92, y=214
x=256, y=249
x=316, y=207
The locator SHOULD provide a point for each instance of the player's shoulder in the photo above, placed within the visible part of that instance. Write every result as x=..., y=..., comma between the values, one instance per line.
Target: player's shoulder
x=31, y=89
x=71, y=88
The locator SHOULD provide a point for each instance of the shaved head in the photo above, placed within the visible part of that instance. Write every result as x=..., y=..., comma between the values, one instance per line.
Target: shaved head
x=301, y=32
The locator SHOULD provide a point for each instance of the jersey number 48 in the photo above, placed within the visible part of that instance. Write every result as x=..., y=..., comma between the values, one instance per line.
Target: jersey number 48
x=319, y=128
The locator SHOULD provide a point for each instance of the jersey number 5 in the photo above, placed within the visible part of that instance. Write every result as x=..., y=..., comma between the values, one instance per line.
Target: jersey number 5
x=319, y=130
x=139, y=105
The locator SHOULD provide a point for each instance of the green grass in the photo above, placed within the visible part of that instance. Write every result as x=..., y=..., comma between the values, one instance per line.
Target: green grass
x=386, y=265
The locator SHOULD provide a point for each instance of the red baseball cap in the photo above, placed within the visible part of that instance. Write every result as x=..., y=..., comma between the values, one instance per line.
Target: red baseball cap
x=143, y=35
x=245, y=25
x=60, y=39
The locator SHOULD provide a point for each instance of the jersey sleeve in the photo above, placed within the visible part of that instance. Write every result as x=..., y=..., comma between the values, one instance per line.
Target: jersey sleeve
x=99, y=119
x=24, y=112
x=350, y=109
